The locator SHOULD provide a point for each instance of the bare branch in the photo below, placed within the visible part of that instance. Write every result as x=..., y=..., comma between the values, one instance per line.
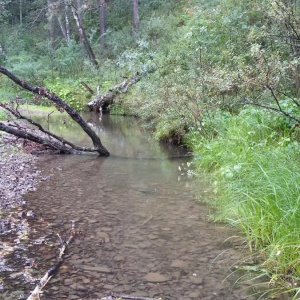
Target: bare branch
x=49, y=274
x=249, y=101
x=274, y=96
x=29, y=136
x=62, y=105
x=17, y=114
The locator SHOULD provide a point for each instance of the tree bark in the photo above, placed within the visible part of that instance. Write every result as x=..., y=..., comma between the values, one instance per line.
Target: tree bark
x=21, y=13
x=80, y=16
x=50, y=16
x=59, y=103
x=135, y=7
x=83, y=36
x=102, y=12
x=66, y=11
x=62, y=27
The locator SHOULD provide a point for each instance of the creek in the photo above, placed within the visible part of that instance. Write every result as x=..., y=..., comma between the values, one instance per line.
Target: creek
x=142, y=232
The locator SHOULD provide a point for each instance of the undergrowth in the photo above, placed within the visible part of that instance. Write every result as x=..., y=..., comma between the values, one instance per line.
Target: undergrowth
x=253, y=164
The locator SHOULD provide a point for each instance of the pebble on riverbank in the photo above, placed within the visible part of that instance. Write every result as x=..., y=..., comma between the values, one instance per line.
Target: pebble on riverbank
x=18, y=175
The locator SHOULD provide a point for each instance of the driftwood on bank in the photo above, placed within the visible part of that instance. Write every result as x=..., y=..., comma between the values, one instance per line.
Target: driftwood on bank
x=50, y=141
x=108, y=97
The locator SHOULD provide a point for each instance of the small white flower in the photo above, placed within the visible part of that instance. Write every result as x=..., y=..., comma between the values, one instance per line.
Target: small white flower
x=237, y=167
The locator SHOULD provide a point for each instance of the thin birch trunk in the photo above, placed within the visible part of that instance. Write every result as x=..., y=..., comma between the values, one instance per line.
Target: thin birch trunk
x=83, y=36
x=50, y=16
x=67, y=22
x=135, y=15
x=102, y=11
x=62, y=27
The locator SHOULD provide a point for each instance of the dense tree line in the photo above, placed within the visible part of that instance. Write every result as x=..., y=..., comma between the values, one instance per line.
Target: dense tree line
x=58, y=14
x=229, y=52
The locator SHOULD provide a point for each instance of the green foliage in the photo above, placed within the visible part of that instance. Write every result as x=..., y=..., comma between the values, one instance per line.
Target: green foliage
x=251, y=161
x=66, y=60
x=27, y=66
x=71, y=91
x=117, y=109
x=2, y=115
x=4, y=12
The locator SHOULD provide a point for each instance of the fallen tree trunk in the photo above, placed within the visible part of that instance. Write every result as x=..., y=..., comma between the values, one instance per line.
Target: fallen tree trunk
x=63, y=146
x=108, y=97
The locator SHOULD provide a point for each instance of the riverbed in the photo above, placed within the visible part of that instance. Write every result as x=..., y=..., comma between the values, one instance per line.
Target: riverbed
x=141, y=229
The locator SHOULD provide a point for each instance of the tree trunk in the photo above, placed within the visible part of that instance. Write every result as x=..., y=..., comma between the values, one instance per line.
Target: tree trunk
x=66, y=11
x=63, y=20
x=83, y=36
x=108, y=97
x=50, y=16
x=21, y=12
x=59, y=144
x=102, y=11
x=135, y=15
x=62, y=27
x=80, y=16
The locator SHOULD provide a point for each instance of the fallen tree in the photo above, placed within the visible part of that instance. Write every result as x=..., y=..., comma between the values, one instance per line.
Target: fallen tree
x=107, y=98
x=42, y=136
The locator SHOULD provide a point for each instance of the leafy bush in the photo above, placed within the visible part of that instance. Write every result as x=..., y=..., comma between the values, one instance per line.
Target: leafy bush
x=70, y=91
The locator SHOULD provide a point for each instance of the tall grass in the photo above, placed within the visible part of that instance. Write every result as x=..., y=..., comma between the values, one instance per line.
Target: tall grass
x=2, y=115
x=253, y=162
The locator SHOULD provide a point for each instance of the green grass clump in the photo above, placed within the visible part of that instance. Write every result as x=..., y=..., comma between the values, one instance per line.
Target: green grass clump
x=2, y=115
x=253, y=161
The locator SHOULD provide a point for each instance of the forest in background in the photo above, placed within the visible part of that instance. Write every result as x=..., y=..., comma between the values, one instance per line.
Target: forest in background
x=219, y=76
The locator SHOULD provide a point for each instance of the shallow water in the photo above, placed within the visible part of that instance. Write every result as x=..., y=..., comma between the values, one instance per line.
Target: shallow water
x=142, y=232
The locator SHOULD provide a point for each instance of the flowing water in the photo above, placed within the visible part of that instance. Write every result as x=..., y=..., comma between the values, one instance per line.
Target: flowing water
x=141, y=230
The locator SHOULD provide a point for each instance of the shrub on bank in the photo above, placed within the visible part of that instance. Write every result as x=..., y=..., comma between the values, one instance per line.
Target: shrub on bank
x=253, y=162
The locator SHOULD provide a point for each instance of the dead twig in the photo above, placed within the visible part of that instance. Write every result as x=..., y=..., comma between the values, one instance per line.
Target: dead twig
x=35, y=295
x=127, y=297
x=87, y=87
x=148, y=219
